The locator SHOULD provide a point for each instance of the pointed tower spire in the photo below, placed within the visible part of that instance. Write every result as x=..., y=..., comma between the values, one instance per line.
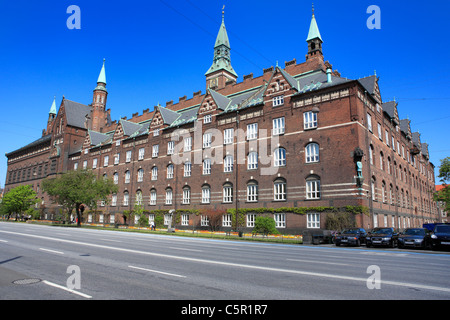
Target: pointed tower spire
x=221, y=70
x=53, y=107
x=314, y=39
x=99, y=114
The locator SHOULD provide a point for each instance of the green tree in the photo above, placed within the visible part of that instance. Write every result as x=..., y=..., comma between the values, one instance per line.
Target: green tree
x=18, y=200
x=443, y=195
x=265, y=225
x=76, y=189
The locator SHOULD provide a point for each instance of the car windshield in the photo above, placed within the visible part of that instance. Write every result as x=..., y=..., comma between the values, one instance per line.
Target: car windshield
x=352, y=231
x=442, y=229
x=382, y=230
x=415, y=232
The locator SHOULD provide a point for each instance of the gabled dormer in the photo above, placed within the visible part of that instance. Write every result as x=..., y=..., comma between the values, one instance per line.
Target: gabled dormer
x=279, y=87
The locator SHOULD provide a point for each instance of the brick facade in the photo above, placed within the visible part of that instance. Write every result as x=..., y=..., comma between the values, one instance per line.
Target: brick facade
x=312, y=122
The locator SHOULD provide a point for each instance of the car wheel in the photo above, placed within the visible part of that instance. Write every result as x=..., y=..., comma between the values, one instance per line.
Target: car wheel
x=399, y=245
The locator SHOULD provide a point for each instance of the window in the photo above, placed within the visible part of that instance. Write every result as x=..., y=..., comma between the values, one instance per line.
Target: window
x=116, y=158
x=228, y=136
x=114, y=200
x=186, y=195
x=170, y=147
x=105, y=161
x=278, y=101
x=184, y=219
x=226, y=220
x=155, y=150
x=204, y=222
x=169, y=174
x=141, y=154
x=251, y=217
x=279, y=157
x=75, y=166
x=187, y=169
x=384, y=191
x=168, y=196
x=156, y=132
x=126, y=197
x=252, y=160
x=228, y=164
x=228, y=193
x=278, y=126
x=167, y=219
x=207, y=137
x=252, y=131
x=371, y=154
x=155, y=173
x=206, y=194
x=152, y=197
x=94, y=163
x=84, y=164
x=128, y=156
x=138, y=197
x=313, y=220
x=280, y=220
x=386, y=136
x=309, y=120
x=279, y=189
x=381, y=161
x=127, y=176
x=207, y=166
x=116, y=178
x=187, y=144
x=313, y=188
x=380, y=134
x=369, y=122
x=140, y=176
x=207, y=118
x=252, y=191
x=312, y=153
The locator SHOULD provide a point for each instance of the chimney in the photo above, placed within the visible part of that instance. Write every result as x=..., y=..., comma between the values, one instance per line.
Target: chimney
x=329, y=75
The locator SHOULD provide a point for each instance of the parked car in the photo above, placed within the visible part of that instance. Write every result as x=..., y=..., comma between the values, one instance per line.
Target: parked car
x=352, y=236
x=440, y=237
x=382, y=237
x=414, y=237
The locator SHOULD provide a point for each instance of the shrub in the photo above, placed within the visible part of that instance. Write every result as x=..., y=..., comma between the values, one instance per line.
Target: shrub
x=265, y=225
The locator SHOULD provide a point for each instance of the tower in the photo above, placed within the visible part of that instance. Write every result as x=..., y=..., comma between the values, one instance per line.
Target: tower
x=221, y=70
x=314, y=39
x=51, y=116
x=99, y=113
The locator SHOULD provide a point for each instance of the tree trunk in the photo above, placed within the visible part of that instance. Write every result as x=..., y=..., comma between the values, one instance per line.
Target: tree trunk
x=77, y=208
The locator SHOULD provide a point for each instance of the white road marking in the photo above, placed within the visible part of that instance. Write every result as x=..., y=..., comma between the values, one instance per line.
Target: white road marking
x=67, y=289
x=155, y=271
x=111, y=240
x=52, y=251
x=230, y=264
x=186, y=249
x=319, y=262
x=4, y=241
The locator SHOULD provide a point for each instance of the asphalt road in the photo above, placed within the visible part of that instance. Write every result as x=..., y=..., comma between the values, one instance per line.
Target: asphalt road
x=54, y=263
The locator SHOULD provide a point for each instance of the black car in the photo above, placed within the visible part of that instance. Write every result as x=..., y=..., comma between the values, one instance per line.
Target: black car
x=382, y=237
x=352, y=236
x=440, y=237
x=414, y=237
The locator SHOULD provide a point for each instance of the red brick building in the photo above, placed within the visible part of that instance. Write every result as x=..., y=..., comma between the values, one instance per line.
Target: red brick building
x=294, y=143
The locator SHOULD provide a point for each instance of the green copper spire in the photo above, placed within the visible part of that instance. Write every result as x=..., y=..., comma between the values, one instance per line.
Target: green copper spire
x=102, y=76
x=53, y=107
x=313, y=28
x=222, y=51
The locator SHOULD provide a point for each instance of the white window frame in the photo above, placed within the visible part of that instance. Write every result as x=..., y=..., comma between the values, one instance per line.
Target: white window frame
x=127, y=176
x=206, y=195
x=313, y=189
x=279, y=157
x=252, y=192
x=312, y=153
x=186, y=195
x=228, y=193
x=278, y=101
x=141, y=154
x=313, y=220
x=369, y=122
x=280, y=220
x=206, y=166
x=228, y=135
x=207, y=118
x=226, y=220
x=170, y=147
x=184, y=219
x=252, y=131
x=279, y=190
x=155, y=173
x=126, y=198
x=251, y=218
x=105, y=161
x=116, y=158
x=153, y=197
x=207, y=139
x=140, y=175
x=114, y=200
x=187, y=144
x=155, y=150
x=309, y=120
x=187, y=169
x=228, y=163
x=252, y=160
x=204, y=221
x=94, y=163
x=169, y=174
x=116, y=177
x=128, y=156
x=169, y=196
x=278, y=126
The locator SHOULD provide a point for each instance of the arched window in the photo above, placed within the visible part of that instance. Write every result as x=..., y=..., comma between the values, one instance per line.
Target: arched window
x=279, y=189
x=374, y=189
x=155, y=173
x=116, y=178
x=312, y=153
x=313, y=188
x=169, y=171
x=169, y=195
x=186, y=195
x=228, y=192
x=153, y=197
x=138, y=197
x=140, y=175
x=187, y=169
x=206, y=194
x=126, y=198
x=127, y=176
x=252, y=191
x=279, y=157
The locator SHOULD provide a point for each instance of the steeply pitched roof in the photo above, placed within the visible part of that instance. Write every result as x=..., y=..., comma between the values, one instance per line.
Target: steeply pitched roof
x=313, y=30
x=76, y=113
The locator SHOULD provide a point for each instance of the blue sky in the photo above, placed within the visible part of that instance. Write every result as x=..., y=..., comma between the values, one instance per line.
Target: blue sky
x=159, y=50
